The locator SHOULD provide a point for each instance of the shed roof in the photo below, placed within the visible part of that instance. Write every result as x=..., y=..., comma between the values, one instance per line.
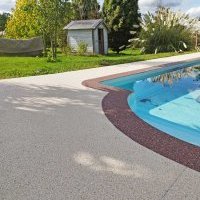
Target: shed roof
x=83, y=24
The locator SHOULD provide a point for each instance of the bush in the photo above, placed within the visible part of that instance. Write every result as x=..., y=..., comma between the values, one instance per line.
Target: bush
x=68, y=50
x=165, y=31
x=50, y=57
x=82, y=48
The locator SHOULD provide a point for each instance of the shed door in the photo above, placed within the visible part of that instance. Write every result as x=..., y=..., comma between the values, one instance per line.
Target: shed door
x=101, y=41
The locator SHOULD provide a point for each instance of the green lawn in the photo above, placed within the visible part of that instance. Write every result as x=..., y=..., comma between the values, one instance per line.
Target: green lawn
x=11, y=67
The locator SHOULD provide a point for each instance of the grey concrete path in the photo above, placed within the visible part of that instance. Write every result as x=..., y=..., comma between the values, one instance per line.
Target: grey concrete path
x=56, y=144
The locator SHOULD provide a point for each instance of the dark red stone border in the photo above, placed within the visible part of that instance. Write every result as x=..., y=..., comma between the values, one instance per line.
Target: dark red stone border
x=117, y=110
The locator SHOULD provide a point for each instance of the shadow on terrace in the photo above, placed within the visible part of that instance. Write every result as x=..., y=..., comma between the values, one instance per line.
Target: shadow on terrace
x=62, y=121
x=37, y=98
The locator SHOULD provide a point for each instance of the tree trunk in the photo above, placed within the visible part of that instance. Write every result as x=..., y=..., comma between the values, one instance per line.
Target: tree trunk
x=45, y=46
x=55, y=42
x=196, y=45
x=53, y=49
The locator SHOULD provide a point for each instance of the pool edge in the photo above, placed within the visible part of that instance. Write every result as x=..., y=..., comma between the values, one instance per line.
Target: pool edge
x=118, y=112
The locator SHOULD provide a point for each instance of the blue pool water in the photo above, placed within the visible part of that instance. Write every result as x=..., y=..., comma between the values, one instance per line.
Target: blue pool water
x=168, y=99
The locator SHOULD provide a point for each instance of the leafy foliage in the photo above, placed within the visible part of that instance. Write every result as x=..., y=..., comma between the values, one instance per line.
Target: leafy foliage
x=165, y=31
x=85, y=9
x=121, y=17
x=50, y=57
x=68, y=50
x=53, y=16
x=82, y=48
x=3, y=19
x=23, y=22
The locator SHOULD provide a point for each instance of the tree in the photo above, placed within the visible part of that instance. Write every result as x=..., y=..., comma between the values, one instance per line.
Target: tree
x=85, y=9
x=23, y=22
x=32, y=18
x=3, y=20
x=121, y=17
x=53, y=14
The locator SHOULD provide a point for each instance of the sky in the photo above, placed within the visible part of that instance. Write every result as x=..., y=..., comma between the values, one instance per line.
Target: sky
x=191, y=7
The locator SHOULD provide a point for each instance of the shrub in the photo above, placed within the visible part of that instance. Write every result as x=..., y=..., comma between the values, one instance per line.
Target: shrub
x=165, y=31
x=50, y=57
x=68, y=50
x=82, y=48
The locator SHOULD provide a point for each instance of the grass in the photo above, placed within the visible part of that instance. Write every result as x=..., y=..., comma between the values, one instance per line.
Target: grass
x=11, y=67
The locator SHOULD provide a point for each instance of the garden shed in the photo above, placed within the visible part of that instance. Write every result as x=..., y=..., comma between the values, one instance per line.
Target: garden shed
x=94, y=33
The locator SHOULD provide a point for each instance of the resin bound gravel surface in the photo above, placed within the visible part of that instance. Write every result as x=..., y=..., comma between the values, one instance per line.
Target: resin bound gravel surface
x=56, y=143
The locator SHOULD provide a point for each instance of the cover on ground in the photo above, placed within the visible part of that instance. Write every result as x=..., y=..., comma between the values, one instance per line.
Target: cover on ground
x=30, y=47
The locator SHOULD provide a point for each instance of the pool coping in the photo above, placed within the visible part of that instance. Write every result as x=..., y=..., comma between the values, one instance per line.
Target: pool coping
x=118, y=112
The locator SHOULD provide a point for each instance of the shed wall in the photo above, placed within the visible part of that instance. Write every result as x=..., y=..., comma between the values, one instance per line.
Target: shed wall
x=96, y=41
x=106, y=41
x=77, y=36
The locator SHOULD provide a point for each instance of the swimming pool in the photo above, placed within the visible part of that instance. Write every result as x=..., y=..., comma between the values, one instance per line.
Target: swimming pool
x=167, y=98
